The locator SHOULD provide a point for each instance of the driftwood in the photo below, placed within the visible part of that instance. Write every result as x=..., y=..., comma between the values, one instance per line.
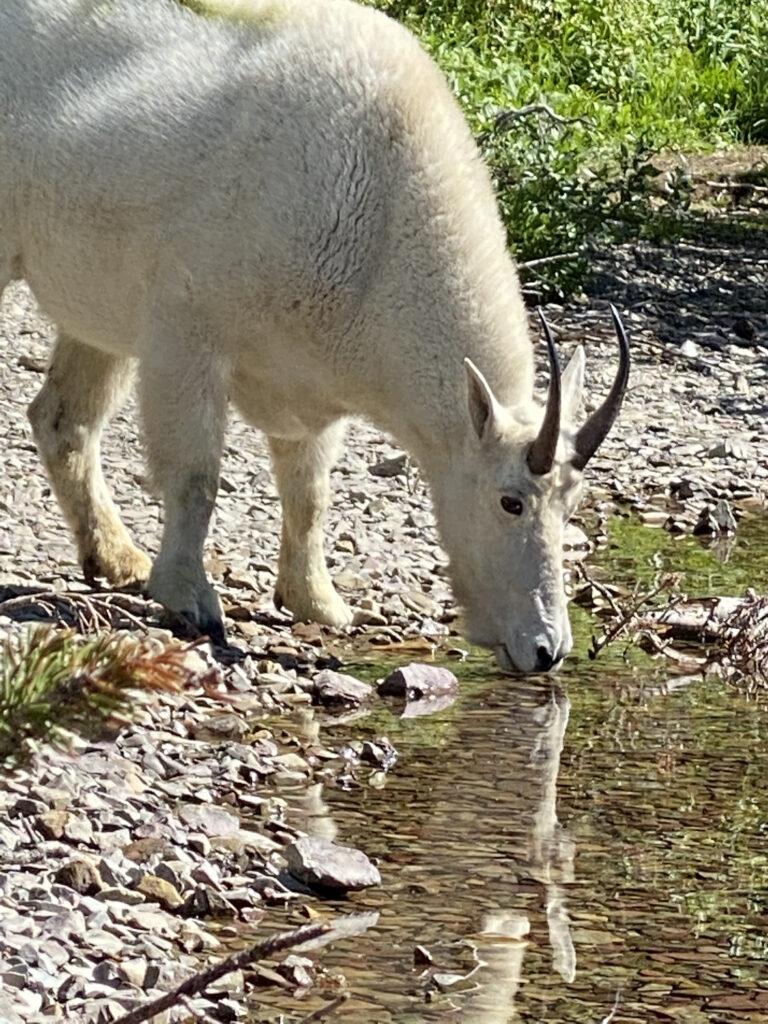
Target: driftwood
x=723, y=635
x=707, y=620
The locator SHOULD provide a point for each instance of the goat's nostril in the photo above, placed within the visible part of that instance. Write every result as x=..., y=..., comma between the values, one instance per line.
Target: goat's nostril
x=544, y=660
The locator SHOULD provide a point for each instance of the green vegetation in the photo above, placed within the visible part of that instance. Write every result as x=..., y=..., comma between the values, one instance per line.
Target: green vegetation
x=625, y=81
x=53, y=682
x=642, y=555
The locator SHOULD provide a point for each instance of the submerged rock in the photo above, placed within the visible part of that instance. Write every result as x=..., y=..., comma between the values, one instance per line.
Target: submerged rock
x=416, y=681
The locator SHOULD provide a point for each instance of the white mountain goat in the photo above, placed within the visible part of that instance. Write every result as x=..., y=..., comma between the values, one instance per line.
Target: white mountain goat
x=279, y=202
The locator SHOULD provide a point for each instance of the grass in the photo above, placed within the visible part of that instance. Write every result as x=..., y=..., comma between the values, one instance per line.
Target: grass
x=53, y=682
x=627, y=80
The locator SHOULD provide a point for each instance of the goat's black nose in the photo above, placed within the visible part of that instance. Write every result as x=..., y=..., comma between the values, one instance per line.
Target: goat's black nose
x=544, y=660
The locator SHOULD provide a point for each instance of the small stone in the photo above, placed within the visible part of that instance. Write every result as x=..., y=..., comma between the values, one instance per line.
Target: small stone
x=654, y=517
x=417, y=680
x=51, y=824
x=120, y=894
x=81, y=876
x=206, y=902
x=717, y=520
x=133, y=971
x=220, y=728
x=158, y=890
x=390, y=467
x=231, y=984
x=15, y=978
x=682, y=489
x=335, y=689
x=575, y=540
x=380, y=753
x=298, y=969
x=728, y=448
x=141, y=850
x=368, y=617
x=326, y=865
x=25, y=807
x=744, y=329
x=212, y=821
x=104, y=942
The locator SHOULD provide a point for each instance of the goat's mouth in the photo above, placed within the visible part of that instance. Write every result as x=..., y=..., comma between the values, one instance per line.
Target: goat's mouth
x=507, y=663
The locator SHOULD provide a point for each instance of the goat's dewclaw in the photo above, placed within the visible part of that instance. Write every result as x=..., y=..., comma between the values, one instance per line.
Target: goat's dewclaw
x=280, y=203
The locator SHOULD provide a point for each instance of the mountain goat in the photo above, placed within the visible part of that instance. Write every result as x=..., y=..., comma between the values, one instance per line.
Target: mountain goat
x=278, y=202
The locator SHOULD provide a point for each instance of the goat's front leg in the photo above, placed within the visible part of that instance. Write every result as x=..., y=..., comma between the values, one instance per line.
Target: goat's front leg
x=183, y=400
x=303, y=582
x=82, y=387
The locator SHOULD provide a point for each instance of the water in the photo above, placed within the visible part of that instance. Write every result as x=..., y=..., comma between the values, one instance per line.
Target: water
x=591, y=849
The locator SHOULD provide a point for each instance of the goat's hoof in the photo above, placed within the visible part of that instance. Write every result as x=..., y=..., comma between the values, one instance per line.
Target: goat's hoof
x=186, y=626
x=125, y=567
x=326, y=608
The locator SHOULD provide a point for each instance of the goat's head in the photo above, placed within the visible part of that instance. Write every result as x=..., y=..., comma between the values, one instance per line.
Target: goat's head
x=503, y=511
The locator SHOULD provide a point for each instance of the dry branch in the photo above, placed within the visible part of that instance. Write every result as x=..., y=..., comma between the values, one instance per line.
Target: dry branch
x=200, y=981
x=556, y=258
x=506, y=118
x=629, y=617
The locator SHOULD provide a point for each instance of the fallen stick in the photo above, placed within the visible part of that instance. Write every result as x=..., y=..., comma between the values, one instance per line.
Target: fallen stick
x=197, y=983
x=630, y=616
x=557, y=258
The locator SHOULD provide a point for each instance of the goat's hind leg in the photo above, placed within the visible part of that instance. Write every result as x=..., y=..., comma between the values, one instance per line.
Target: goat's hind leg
x=301, y=470
x=82, y=388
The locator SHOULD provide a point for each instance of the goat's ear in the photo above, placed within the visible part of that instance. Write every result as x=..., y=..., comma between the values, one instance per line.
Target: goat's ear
x=572, y=385
x=482, y=404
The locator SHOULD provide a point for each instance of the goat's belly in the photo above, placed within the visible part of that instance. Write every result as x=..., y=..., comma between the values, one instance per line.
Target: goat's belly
x=291, y=402
x=97, y=305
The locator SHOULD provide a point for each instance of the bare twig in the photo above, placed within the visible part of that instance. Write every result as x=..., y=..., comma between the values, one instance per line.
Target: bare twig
x=628, y=616
x=90, y=611
x=325, y=1010
x=200, y=981
x=737, y=186
x=505, y=118
x=557, y=258
x=602, y=590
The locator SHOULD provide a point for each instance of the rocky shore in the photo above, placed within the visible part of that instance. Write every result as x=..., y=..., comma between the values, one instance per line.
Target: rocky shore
x=130, y=860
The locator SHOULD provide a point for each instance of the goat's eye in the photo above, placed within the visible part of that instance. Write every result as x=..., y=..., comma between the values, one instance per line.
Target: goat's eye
x=512, y=505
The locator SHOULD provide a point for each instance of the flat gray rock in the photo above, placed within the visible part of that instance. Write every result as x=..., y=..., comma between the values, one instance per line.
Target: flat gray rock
x=335, y=689
x=322, y=864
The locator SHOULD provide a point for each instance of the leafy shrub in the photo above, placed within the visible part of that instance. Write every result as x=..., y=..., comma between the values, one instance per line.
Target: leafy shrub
x=630, y=78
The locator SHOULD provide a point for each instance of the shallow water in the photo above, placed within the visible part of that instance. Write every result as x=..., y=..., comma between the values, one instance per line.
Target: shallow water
x=587, y=849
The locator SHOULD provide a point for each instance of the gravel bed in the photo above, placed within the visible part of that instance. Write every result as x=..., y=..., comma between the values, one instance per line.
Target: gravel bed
x=126, y=863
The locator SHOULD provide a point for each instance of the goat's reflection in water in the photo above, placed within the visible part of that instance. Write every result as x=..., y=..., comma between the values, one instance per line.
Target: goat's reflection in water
x=496, y=779
x=501, y=940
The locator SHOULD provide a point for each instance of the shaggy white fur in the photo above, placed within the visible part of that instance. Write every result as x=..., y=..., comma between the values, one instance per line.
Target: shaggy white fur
x=284, y=208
